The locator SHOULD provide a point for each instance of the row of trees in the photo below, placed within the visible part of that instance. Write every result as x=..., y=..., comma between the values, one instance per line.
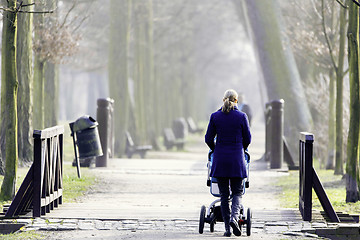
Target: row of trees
x=151, y=53
x=153, y=68
x=29, y=78
x=156, y=53
x=317, y=32
x=330, y=36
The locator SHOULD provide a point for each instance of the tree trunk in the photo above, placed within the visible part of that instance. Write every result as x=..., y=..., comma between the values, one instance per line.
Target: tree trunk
x=278, y=67
x=120, y=13
x=51, y=94
x=352, y=168
x=3, y=114
x=139, y=71
x=38, y=93
x=39, y=75
x=25, y=78
x=339, y=162
x=9, y=53
x=150, y=84
x=331, y=123
x=51, y=79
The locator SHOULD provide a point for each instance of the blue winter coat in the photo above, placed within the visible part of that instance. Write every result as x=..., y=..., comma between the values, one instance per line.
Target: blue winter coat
x=232, y=134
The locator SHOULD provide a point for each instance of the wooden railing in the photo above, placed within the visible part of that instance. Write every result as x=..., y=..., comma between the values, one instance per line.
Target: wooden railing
x=41, y=189
x=309, y=179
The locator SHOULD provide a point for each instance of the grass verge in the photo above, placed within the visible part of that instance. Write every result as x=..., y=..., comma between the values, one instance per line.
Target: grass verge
x=334, y=187
x=30, y=235
x=73, y=189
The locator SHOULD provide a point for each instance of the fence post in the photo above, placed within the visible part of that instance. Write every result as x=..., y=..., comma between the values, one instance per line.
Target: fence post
x=37, y=177
x=305, y=174
x=277, y=132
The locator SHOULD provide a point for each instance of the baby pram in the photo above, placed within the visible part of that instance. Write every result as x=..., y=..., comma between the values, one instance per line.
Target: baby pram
x=213, y=214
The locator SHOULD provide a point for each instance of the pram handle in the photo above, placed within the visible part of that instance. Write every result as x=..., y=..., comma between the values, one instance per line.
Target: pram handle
x=247, y=158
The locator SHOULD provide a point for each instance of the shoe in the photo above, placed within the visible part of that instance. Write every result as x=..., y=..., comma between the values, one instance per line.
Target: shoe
x=227, y=233
x=236, y=228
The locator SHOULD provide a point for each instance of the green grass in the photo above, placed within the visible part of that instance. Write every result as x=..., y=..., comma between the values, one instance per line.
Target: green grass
x=334, y=187
x=73, y=187
x=30, y=235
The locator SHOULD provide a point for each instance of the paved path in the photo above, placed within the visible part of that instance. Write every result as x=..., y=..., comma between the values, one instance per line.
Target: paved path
x=160, y=198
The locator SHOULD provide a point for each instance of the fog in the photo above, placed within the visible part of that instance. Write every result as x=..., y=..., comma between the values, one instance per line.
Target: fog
x=222, y=55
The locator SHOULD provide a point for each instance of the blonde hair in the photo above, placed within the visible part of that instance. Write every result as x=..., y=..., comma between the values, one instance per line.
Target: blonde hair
x=230, y=100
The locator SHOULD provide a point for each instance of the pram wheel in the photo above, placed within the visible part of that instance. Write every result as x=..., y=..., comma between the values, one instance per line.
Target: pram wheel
x=202, y=219
x=248, y=222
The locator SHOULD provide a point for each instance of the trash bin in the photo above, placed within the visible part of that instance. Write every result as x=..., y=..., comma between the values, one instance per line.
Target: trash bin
x=87, y=137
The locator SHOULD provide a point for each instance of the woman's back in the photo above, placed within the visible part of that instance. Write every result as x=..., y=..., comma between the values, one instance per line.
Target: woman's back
x=232, y=137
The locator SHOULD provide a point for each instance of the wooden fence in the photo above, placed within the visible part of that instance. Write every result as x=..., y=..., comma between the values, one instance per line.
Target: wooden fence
x=309, y=179
x=41, y=189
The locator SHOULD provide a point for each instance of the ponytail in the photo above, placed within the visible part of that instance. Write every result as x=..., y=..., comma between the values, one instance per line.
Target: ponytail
x=227, y=106
x=230, y=99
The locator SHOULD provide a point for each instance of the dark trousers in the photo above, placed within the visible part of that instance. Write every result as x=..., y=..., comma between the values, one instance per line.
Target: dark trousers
x=225, y=184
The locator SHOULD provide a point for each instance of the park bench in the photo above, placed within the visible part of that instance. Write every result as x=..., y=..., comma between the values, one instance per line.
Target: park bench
x=170, y=141
x=193, y=128
x=132, y=149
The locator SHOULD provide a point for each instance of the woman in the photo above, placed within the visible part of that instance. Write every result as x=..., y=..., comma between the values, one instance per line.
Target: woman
x=231, y=129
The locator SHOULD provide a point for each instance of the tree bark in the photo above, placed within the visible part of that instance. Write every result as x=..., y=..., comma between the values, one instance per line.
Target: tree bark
x=120, y=13
x=51, y=79
x=331, y=124
x=278, y=65
x=38, y=93
x=39, y=76
x=3, y=115
x=140, y=62
x=25, y=78
x=352, y=168
x=9, y=53
x=51, y=94
x=339, y=161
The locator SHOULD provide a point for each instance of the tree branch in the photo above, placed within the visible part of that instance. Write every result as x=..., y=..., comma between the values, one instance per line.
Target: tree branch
x=6, y=9
x=28, y=5
x=326, y=35
x=37, y=12
x=81, y=22
x=24, y=11
x=67, y=15
x=356, y=2
x=19, y=7
x=342, y=4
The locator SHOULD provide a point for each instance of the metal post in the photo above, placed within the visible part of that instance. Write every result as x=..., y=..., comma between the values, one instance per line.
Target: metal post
x=104, y=119
x=277, y=131
x=77, y=161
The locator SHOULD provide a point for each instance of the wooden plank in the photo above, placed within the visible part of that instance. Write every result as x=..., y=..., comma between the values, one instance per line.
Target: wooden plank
x=323, y=198
x=26, y=200
x=306, y=136
x=37, y=177
x=20, y=194
x=48, y=132
x=308, y=172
